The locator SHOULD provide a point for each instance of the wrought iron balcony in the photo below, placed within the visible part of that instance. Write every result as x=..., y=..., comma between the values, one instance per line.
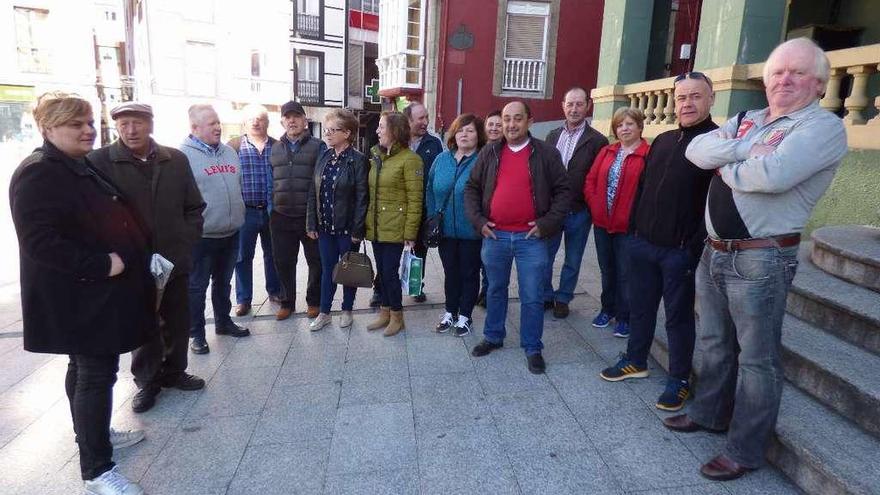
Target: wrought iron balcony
x=308, y=26
x=308, y=92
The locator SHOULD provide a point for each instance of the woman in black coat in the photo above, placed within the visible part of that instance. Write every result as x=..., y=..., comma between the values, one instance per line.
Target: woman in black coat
x=337, y=208
x=86, y=290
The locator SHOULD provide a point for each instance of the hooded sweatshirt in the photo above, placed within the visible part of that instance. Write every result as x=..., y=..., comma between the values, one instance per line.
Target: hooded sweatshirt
x=218, y=175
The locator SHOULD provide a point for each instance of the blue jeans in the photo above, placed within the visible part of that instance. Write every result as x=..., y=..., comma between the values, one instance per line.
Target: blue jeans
x=667, y=272
x=213, y=261
x=613, y=253
x=742, y=304
x=256, y=222
x=576, y=228
x=530, y=256
x=331, y=247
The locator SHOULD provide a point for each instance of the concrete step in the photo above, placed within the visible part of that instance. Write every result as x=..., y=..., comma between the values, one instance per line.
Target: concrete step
x=840, y=375
x=822, y=452
x=851, y=252
x=842, y=308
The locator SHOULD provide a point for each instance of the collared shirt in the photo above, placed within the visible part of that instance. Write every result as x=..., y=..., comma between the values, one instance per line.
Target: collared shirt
x=414, y=143
x=328, y=191
x=568, y=140
x=256, y=172
x=213, y=150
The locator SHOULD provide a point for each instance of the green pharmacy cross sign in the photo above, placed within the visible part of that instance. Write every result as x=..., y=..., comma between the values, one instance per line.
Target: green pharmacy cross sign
x=371, y=92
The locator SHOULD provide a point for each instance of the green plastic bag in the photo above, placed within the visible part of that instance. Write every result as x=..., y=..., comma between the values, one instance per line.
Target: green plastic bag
x=411, y=270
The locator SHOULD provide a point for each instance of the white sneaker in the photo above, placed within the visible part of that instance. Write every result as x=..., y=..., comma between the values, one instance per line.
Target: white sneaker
x=320, y=322
x=112, y=483
x=127, y=438
x=445, y=324
x=346, y=319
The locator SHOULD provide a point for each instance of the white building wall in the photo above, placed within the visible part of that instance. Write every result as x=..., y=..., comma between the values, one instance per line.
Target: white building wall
x=332, y=46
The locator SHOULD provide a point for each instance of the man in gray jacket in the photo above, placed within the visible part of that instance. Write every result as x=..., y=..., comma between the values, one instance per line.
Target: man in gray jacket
x=771, y=168
x=217, y=171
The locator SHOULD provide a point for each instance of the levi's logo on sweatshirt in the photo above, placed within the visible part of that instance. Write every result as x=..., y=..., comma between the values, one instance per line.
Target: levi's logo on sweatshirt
x=220, y=169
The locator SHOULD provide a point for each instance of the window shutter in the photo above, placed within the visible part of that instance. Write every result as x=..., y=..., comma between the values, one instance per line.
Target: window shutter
x=525, y=37
x=355, y=70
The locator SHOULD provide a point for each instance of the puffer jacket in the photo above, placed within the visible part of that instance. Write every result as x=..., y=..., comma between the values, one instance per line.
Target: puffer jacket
x=349, y=193
x=440, y=181
x=396, y=190
x=293, y=174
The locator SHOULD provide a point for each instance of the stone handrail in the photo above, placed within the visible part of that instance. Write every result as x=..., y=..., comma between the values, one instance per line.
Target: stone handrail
x=655, y=98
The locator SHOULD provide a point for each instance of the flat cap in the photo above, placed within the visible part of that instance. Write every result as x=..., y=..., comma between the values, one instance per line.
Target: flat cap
x=131, y=107
x=292, y=106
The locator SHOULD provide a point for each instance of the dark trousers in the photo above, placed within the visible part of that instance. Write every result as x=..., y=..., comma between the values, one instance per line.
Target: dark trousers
x=613, y=255
x=89, y=386
x=388, y=268
x=332, y=247
x=461, y=270
x=665, y=272
x=287, y=235
x=214, y=262
x=165, y=355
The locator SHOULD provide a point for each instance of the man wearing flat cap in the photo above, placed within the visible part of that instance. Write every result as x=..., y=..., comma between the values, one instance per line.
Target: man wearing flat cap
x=293, y=160
x=158, y=181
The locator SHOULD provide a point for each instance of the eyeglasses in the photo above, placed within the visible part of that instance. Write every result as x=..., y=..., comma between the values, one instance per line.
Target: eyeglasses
x=332, y=130
x=692, y=75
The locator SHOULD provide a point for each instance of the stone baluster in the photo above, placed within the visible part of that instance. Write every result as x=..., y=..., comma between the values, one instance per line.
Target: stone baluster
x=831, y=101
x=633, y=101
x=858, y=98
x=649, y=112
x=643, y=102
x=661, y=103
x=669, y=111
x=876, y=119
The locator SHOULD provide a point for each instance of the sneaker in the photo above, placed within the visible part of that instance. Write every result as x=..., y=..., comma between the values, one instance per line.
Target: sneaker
x=446, y=322
x=602, y=320
x=462, y=326
x=121, y=439
x=672, y=399
x=145, y=398
x=485, y=347
x=320, y=322
x=346, y=319
x=622, y=370
x=112, y=482
x=199, y=345
x=621, y=329
x=184, y=381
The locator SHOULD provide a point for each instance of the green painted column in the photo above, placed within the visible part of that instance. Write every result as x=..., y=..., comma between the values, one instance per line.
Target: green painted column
x=623, y=54
x=738, y=32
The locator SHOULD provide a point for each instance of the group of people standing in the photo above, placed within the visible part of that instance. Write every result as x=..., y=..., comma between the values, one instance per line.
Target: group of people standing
x=703, y=210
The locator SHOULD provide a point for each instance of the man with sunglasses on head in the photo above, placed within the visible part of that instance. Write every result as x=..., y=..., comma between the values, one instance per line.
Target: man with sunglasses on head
x=667, y=239
x=770, y=167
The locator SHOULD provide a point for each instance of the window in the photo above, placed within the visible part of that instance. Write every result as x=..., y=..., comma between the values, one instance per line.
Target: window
x=368, y=6
x=201, y=69
x=525, y=46
x=308, y=18
x=414, y=42
x=31, y=33
x=356, y=70
x=308, y=79
x=255, y=63
x=309, y=7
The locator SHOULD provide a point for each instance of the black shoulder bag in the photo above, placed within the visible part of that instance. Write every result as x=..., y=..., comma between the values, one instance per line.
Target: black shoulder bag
x=432, y=228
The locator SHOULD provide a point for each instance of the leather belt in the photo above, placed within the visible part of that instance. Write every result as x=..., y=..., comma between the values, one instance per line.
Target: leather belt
x=730, y=245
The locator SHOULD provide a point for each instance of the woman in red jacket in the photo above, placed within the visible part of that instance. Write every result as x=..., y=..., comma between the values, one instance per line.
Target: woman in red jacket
x=609, y=190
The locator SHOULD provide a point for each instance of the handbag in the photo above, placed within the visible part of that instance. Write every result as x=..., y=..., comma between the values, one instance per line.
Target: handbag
x=354, y=269
x=432, y=227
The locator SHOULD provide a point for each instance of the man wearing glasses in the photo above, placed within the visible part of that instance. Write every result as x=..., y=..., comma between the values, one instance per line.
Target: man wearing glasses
x=667, y=240
x=770, y=167
x=293, y=161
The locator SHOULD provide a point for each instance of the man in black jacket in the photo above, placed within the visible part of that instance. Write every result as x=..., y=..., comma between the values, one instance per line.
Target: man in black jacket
x=517, y=195
x=668, y=233
x=293, y=161
x=159, y=183
x=578, y=143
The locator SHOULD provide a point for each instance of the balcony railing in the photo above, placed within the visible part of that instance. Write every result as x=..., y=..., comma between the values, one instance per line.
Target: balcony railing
x=848, y=94
x=308, y=92
x=308, y=25
x=522, y=74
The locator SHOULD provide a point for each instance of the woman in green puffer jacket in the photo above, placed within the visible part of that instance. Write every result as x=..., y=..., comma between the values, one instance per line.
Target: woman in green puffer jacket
x=394, y=215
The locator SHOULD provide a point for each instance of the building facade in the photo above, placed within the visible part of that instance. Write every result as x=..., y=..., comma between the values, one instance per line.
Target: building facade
x=362, y=94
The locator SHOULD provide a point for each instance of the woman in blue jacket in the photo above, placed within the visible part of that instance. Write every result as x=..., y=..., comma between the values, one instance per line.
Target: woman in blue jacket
x=460, y=247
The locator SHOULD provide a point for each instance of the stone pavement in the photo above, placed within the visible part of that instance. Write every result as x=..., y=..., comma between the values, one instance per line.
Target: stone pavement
x=348, y=411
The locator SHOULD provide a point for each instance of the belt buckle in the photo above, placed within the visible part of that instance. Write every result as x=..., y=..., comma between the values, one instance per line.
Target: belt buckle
x=728, y=245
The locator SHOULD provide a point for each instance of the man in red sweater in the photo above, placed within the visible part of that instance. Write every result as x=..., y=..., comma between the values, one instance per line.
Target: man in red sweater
x=517, y=194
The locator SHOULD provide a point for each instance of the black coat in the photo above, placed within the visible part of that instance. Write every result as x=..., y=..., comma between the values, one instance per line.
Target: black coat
x=69, y=217
x=350, y=193
x=585, y=151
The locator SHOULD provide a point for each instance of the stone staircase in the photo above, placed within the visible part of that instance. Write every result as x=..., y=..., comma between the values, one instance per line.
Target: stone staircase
x=828, y=433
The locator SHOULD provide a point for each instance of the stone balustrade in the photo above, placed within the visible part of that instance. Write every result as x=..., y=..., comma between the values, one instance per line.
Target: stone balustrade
x=851, y=71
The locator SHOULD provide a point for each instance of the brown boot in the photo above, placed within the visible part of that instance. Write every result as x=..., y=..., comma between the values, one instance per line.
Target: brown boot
x=382, y=320
x=283, y=313
x=396, y=324
x=313, y=311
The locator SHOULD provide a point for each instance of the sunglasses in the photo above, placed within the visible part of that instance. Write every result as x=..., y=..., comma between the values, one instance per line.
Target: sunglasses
x=692, y=75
